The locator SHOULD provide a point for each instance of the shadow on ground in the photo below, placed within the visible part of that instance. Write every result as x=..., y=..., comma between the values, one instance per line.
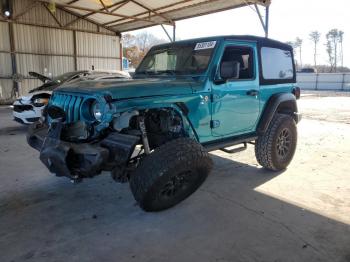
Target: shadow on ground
x=13, y=130
x=226, y=220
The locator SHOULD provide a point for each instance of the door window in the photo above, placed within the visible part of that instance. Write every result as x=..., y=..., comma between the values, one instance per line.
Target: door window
x=242, y=55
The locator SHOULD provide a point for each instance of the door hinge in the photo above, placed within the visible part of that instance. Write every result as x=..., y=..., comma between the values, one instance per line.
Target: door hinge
x=214, y=123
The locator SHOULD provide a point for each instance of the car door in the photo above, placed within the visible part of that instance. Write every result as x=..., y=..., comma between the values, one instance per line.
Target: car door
x=235, y=102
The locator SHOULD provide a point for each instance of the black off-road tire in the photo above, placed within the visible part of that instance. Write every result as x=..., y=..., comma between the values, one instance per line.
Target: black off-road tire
x=268, y=146
x=170, y=174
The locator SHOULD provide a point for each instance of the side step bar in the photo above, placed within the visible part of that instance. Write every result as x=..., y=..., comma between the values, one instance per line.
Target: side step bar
x=235, y=150
x=228, y=142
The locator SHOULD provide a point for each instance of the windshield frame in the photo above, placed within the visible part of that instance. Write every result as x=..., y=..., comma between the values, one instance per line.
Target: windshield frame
x=154, y=49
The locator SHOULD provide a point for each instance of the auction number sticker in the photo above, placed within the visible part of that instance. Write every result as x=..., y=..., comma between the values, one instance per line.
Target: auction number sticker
x=205, y=45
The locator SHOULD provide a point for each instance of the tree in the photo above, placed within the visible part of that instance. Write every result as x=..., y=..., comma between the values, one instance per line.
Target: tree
x=298, y=44
x=128, y=40
x=292, y=44
x=329, y=50
x=341, y=38
x=315, y=38
x=334, y=37
x=133, y=54
x=145, y=40
x=135, y=47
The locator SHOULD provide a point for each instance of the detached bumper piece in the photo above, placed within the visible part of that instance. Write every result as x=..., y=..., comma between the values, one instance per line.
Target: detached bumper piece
x=79, y=160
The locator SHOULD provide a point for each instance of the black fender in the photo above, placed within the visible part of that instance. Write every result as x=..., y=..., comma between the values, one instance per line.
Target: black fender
x=283, y=103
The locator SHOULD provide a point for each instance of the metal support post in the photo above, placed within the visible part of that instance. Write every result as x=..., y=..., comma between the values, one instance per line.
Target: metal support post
x=267, y=14
x=174, y=32
x=172, y=39
x=166, y=32
x=265, y=24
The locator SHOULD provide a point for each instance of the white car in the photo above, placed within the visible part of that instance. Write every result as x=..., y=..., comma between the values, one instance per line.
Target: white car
x=29, y=109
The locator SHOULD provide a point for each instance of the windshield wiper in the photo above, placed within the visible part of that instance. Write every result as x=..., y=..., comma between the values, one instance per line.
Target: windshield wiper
x=146, y=72
x=169, y=72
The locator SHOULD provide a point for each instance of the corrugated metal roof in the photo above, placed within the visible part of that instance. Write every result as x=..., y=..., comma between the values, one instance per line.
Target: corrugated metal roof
x=126, y=15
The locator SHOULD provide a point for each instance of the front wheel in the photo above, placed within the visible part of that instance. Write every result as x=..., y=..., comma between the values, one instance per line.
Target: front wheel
x=275, y=149
x=170, y=174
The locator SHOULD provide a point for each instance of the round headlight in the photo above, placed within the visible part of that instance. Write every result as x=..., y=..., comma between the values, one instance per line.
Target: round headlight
x=96, y=110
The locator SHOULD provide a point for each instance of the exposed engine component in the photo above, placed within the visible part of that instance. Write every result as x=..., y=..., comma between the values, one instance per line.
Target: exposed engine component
x=145, y=142
x=163, y=125
x=123, y=121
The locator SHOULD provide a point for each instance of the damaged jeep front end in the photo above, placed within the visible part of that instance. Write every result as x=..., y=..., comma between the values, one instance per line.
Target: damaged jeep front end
x=75, y=150
x=79, y=160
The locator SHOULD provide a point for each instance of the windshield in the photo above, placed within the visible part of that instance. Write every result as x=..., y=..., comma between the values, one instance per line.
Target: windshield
x=177, y=59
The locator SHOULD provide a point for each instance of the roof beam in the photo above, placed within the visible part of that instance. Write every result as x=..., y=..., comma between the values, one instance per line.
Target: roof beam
x=120, y=6
x=153, y=11
x=104, y=6
x=25, y=10
x=156, y=9
x=52, y=15
x=85, y=16
x=65, y=6
x=89, y=20
x=246, y=3
x=72, y=2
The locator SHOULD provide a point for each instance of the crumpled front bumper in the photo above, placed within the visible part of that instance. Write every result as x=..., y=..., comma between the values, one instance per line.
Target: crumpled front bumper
x=79, y=160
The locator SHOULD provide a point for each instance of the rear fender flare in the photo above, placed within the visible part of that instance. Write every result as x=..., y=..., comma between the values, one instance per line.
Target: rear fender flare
x=284, y=103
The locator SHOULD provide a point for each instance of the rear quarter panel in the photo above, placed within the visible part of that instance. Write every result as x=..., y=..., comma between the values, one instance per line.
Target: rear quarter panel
x=266, y=91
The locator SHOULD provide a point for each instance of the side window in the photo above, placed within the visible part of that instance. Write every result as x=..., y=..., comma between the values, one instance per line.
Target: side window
x=276, y=64
x=242, y=55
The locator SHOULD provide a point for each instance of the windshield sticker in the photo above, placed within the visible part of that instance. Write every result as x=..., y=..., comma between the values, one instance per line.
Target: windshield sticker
x=205, y=45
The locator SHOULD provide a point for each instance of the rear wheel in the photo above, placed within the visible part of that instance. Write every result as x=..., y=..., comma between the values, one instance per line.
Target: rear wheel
x=275, y=149
x=170, y=174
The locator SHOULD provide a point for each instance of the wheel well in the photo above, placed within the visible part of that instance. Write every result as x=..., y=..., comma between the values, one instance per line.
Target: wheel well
x=162, y=124
x=280, y=103
x=288, y=107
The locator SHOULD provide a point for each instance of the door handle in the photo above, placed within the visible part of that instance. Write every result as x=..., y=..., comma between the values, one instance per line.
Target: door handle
x=252, y=92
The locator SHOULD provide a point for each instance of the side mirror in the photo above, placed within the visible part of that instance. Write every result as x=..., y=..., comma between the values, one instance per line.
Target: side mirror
x=229, y=70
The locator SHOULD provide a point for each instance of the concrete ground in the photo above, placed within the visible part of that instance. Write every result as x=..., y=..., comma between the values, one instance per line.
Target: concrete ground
x=241, y=213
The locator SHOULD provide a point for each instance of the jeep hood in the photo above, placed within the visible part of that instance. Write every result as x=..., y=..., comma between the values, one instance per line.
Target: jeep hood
x=131, y=88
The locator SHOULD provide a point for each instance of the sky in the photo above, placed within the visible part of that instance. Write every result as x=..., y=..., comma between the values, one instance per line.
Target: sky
x=288, y=19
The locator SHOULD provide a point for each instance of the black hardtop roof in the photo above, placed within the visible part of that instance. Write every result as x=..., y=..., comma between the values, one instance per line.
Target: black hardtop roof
x=263, y=41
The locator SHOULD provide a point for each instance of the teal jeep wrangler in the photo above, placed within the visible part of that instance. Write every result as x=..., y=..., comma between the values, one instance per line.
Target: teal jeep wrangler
x=185, y=99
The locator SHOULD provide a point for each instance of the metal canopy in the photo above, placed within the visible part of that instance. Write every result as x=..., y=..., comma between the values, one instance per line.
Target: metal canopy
x=126, y=15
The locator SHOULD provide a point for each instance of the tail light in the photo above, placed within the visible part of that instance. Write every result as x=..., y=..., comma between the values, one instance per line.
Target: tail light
x=296, y=92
